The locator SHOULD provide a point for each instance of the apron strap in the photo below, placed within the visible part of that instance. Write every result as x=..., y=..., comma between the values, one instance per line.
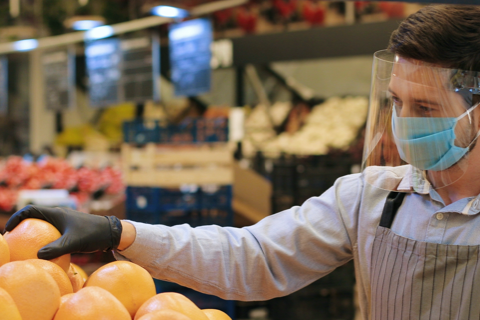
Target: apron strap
x=394, y=200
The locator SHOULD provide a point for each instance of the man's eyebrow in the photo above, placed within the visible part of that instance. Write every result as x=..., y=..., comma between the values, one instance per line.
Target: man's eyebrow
x=427, y=102
x=392, y=92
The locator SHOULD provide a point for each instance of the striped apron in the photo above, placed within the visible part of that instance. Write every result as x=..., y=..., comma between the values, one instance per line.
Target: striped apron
x=420, y=280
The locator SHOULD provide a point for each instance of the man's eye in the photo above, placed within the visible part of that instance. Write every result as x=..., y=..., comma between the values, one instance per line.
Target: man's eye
x=426, y=109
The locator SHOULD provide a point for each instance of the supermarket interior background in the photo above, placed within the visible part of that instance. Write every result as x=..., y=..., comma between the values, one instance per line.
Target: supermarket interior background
x=196, y=111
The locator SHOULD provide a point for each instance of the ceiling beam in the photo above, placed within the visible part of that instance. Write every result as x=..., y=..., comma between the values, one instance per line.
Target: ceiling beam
x=124, y=27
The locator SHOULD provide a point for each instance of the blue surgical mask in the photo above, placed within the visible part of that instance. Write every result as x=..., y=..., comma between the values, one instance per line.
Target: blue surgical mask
x=428, y=143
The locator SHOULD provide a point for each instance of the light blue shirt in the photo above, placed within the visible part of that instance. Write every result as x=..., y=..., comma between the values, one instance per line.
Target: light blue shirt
x=289, y=250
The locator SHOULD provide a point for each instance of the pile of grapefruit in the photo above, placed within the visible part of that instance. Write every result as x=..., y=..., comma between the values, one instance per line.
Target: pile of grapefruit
x=35, y=289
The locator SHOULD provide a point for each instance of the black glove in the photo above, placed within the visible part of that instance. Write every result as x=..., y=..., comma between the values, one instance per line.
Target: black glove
x=81, y=232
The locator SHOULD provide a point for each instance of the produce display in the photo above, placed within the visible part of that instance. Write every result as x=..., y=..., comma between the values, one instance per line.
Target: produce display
x=334, y=124
x=83, y=183
x=34, y=289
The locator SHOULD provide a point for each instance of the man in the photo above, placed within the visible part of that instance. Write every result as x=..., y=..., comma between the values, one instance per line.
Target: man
x=411, y=229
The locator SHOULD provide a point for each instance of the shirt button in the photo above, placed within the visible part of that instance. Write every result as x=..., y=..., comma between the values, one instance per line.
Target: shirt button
x=439, y=216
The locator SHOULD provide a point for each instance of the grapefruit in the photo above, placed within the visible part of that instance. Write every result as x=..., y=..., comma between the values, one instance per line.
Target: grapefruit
x=82, y=272
x=31, y=235
x=34, y=291
x=64, y=298
x=129, y=283
x=75, y=278
x=57, y=274
x=4, y=251
x=165, y=315
x=214, y=314
x=8, y=306
x=173, y=301
x=92, y=303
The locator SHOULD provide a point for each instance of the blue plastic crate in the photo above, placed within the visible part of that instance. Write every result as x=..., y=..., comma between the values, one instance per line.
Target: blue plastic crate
x=142, y=132
x=216, y=196
x=188, y=204
x=142, y=216
x=195, y=218
x=163, y=199
x=202, y=300
x=143, y=199
x=176, y=217
x=189, y=131
x=184, y=198
x=211, y=130
x=219, y=216
x=182, y=133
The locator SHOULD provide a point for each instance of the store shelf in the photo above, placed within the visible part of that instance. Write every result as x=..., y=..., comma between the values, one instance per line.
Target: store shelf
x=315, y=43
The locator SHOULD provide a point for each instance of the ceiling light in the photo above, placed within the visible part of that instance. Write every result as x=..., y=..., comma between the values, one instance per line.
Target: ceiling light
x=99, y=33
x=86, y=24
x=169, y=12
x=25, y=45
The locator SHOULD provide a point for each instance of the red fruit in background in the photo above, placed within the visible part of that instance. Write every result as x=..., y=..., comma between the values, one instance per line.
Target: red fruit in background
x=18, y=174
x=222, y=16
x=393, y=9
x=116, y=182
x=16, y=171
x=314, y=14
x=8, y=198
x=285, y=8
x=247, y=20
x=88, y=180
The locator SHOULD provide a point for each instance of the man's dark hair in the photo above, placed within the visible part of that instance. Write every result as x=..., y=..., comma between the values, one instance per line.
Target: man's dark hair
x=447, y=35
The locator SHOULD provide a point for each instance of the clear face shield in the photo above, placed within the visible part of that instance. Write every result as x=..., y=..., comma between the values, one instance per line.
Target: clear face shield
x=420, y=115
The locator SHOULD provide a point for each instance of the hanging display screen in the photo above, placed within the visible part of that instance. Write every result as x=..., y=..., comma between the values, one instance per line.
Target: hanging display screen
x=3, y=85
x=59, y=79
x=103, y=58
x=125, y=69
x=140, y=68
x=190, y=56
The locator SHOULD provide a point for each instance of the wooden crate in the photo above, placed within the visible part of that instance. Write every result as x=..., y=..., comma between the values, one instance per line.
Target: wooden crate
x=161, y=166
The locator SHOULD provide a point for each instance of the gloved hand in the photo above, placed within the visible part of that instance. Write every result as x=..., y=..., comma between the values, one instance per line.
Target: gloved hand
x=81, y=232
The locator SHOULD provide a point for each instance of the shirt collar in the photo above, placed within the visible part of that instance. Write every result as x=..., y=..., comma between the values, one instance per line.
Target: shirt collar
x=416, y=180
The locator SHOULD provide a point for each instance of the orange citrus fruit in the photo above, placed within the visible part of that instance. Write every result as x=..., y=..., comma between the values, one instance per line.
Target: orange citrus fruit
x=34, y=291
x=8, y=306
x=129, y=283
x=31, y=235
x=92, y=303
x=173, y=301
x=82, y=272
x=65, y=297
x=57, y=274
x=165, y=315
x=4, y=251
x=76, y=278
x=214, y=314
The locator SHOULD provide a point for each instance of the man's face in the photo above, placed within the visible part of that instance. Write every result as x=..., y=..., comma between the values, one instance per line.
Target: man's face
x=418, y=90
x=422, y=91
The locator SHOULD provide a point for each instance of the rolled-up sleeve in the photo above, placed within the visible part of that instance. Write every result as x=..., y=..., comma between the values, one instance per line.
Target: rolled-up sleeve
x=277, y=256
